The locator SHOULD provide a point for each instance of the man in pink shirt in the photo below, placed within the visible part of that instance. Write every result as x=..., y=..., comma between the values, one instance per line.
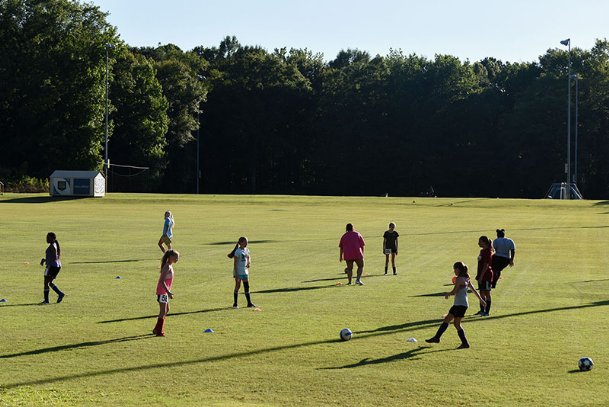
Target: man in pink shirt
x=352, y=251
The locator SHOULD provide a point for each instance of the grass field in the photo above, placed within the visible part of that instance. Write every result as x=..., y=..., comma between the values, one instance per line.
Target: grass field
x=95, y=348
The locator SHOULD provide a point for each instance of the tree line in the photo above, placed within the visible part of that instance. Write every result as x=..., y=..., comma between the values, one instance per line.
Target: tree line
x=289, y=121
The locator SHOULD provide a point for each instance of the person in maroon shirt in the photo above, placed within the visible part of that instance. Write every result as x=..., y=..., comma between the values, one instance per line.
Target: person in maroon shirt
x=485, y=274
x=352, y=251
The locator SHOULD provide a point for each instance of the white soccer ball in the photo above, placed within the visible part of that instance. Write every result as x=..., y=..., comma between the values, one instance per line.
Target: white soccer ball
x=345, y=334
x=585, y=364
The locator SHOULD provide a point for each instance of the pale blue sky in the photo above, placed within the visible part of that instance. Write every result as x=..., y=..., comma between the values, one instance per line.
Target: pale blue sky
x=510, y=30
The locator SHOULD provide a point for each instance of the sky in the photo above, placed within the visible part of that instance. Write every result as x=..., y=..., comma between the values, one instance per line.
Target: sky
x=510, y=30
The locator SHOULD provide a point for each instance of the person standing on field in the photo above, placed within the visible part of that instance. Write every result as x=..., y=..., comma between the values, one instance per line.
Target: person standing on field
x=352, y=251
x=390, y=247
x=242, y=261
x=167, y=231
x=53, y=266
x=460, y=305
x=505, y=250
x=163, y=289
x=484, y=276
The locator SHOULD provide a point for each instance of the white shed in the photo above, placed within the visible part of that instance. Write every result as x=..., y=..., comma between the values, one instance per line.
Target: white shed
x=77, y=183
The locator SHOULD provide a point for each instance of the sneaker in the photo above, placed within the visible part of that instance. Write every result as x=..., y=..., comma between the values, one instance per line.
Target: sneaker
x=251, y=305
x=385, y=273
x=359, y=282
x=44, y=303
x=235, y=306
x=463, y=346
x=433, y=340
x=395, y=274
x=349, y=283
x=479, y=313
x=484, y=314
x=60, y=298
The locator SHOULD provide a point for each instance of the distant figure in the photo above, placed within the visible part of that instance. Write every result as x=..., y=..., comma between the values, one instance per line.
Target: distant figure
x=241, y=265
x=457, y=311
x=352, y=251
x=167, y=231
x=505, y=250
x=52, y=260
x=484, y=276
x=163, y=289
x=390, y=247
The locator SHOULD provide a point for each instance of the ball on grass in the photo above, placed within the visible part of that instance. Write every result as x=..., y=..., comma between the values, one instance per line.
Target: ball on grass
x=345, y=334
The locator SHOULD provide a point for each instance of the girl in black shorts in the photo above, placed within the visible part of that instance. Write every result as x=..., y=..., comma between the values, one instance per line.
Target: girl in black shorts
x=53, y=266
x=457, y=311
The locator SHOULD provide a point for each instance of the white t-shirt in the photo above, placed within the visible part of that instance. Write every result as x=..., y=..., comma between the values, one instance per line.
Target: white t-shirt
x=242, y=256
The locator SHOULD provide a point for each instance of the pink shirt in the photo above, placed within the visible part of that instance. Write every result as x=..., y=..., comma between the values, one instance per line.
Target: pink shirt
x=160, y=290
x=352, y=244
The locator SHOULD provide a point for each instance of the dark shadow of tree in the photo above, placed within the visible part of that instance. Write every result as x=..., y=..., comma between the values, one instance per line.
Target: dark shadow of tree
x=388, y=330
x=171, y=314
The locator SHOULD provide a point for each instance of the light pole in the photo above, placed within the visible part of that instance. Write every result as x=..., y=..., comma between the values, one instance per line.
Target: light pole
x=576, y=127
x=106, y=161
x=567, y=43
x=198, y=177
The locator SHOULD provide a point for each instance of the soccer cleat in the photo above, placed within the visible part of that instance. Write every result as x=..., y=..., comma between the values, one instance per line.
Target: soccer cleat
x=160, y=334
x=359, y=282
x=60, y=298
x=385, y=273
x=395, y=273
x=235, y=306
x=349, y=283
x=433, y=340
x=251, y=305
x=44, y=303
x=484, y=314
x=463, y=346
x=479, y=313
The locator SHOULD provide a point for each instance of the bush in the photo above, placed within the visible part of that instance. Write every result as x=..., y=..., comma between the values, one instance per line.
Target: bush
x=27, y=184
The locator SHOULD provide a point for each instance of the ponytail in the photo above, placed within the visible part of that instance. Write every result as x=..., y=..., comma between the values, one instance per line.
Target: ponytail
x=166, y=256
x=462, y=267
x=53, y=239
x=232, y=253
x=58, y=248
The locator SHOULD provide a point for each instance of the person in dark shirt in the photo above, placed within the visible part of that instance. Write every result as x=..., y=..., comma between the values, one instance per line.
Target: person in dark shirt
x=53, y=266
x=390, y=247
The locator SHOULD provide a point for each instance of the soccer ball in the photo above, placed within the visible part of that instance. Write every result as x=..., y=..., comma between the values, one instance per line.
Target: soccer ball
x=585, y=364
x=345, y=334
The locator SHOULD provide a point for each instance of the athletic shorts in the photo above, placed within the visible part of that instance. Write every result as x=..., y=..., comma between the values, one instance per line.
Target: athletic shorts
x=498, y=263
x=390, y=250
x=485, y=285
x=52, y=272
x=243, y=277
x=166, y=239
x=457, y=311
x=163, y=298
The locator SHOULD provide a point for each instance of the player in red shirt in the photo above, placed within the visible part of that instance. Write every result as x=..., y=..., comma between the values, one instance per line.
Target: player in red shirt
x=485, y=274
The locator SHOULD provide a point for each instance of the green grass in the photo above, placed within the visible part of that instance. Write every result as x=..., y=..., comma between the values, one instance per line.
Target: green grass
x=95, y=347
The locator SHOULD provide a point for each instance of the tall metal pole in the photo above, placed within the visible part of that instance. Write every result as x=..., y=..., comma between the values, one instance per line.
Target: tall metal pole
x=198, y=177
x=106, y=163
x=576, y=126
x=569, y=128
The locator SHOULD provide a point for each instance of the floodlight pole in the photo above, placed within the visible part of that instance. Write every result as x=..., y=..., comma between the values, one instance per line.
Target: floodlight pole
x=576, y=126
x=567, y=42
x=198, y=177
x=106, y=162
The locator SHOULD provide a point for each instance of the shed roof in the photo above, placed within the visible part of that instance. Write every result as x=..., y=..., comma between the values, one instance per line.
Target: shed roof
x=74, y=174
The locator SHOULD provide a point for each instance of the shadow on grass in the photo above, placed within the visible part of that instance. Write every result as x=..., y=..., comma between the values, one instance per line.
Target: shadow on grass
x=108, y=261
x=171, y=314
x=75, y=346
x=254, y=352
x=340, y=277
x=442, y=294
x=42, y=199
x=20, y=305
x=413, y=354
x=452, y=232
x=592, y=281
x=292, y=289
x=235, y=241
